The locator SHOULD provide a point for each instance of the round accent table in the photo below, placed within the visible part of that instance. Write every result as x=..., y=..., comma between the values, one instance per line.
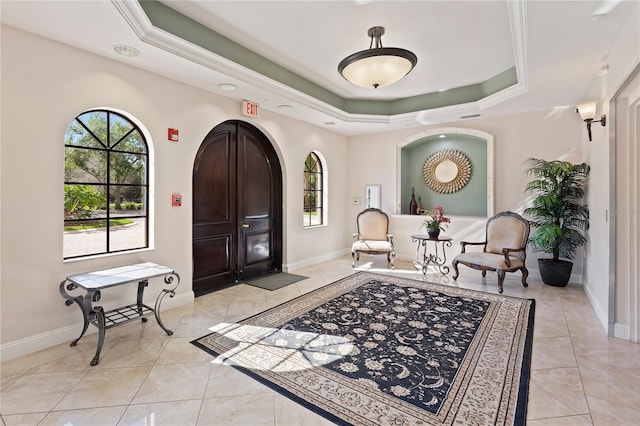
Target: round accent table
x=428, y=257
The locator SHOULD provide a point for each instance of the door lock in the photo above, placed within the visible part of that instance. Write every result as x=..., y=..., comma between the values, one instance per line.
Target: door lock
x=245, y=225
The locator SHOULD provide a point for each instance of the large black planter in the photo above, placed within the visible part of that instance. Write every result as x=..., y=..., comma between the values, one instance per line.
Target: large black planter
x=555, y=273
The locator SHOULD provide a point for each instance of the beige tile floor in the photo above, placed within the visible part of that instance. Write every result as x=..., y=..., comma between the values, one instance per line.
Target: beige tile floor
x=579, y=375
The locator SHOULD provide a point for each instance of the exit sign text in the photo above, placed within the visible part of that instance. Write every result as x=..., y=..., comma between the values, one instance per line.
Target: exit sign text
x=250, y=108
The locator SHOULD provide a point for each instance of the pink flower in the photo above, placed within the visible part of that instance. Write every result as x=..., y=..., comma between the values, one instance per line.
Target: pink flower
x=437, y=219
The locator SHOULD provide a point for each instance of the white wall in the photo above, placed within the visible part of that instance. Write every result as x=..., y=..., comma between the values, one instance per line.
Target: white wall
x=44, y=86
x=622, y=59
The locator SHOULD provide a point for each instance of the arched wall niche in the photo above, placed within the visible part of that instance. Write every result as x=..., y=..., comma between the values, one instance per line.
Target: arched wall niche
x=475, y=199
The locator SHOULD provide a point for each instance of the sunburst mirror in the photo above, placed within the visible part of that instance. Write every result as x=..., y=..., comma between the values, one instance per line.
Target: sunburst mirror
x=447, y=171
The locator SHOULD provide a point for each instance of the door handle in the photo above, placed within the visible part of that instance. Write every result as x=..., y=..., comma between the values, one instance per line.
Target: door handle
x=245, y=225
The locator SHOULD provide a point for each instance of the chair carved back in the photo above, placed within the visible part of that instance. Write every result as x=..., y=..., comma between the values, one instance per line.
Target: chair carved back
x=507, y=229
x=373, y=224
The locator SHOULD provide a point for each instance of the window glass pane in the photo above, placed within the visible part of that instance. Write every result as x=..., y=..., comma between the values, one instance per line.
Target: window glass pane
x=119, y=127
x=85, y=242
x=96, y=122
x=316, y=217
x=82, y=202
x=128, y=234
x=77, y=135
x=127, y=168
x=127, y=201
x=133, y=142
x=85, y=165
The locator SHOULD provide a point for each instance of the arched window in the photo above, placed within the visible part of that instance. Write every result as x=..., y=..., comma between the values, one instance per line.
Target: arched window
x=106, y=185
x=314, y=204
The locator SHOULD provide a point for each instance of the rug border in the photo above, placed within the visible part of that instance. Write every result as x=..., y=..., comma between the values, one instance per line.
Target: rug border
x=520, y=412
x=520, y=416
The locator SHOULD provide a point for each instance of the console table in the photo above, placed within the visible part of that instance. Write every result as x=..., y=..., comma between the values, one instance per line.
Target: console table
x=94, y=282
x=426, y=258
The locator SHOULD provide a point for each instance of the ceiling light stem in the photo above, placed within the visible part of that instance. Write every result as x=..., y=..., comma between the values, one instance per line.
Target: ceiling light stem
x=376, y=34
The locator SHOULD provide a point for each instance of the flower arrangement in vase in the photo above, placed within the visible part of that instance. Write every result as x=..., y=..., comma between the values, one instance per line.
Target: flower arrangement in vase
x=436, y=222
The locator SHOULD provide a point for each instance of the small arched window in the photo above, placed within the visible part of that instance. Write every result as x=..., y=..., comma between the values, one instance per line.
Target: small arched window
x=314, y=194
x=106, y=185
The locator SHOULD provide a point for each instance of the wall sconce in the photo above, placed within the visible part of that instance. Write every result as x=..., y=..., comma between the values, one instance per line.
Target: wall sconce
x=587, y=111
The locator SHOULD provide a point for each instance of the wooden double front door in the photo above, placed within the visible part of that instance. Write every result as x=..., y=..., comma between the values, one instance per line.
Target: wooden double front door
x=237, y=207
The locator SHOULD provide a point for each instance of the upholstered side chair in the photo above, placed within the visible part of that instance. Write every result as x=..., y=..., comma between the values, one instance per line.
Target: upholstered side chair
x=373, y=236
x=504, y=250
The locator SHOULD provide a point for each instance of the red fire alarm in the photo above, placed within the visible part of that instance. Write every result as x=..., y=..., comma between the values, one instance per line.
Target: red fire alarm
x=176, y=200
x=173, y=135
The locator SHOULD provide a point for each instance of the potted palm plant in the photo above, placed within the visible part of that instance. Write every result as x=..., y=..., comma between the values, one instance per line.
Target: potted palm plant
x=557, y=215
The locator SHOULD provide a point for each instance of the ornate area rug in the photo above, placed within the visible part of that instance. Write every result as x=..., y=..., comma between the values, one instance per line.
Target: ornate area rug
x=379, y=350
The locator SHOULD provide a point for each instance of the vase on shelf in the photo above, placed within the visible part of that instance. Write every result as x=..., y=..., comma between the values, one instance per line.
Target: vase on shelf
x=433, y=233
x=420, y=209
x=413, y=204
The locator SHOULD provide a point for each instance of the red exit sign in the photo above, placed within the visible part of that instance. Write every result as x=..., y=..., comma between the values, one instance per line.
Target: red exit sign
x=250, y=108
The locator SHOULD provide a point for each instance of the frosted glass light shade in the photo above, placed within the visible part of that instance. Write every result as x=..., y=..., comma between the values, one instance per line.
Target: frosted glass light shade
x=587, y=110
x=377, y=67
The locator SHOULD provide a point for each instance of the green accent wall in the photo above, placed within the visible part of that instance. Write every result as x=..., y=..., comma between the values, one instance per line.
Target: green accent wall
x=470, y=200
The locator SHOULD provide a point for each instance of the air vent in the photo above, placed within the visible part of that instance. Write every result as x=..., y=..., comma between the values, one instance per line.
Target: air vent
x=470, y=116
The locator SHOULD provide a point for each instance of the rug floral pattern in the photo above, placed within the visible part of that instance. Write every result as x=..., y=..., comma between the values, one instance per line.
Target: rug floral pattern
x=373, y=349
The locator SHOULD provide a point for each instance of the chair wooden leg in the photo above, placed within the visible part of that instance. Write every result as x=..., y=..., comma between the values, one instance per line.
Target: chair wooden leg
x=500, y=279
x=454, y=264
x=525, y=274
x=353, y=257
x=484, y=273
x=390, y=257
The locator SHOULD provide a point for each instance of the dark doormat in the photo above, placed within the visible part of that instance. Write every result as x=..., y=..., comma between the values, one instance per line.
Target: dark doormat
x=274, y=280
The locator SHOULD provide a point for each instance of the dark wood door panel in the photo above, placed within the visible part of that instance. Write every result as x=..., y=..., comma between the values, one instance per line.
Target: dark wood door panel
x=214, y=180
x=256, y=206
x=255, y=179
x=212, y=264
x=257, y=248
x=204, y=230
x=211, y=256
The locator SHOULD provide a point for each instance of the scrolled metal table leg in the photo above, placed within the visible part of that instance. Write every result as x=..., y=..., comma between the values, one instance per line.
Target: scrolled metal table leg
x=171, y=291
x=99, y=315
x=141, y=287
x=438, y=261
x=70, y=301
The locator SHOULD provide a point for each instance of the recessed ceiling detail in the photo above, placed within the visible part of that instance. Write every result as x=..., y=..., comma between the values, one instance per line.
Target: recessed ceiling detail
x=188, y=31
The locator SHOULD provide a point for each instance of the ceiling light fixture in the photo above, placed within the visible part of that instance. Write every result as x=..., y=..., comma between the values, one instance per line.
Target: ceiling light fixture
x=587, y=111
x=125, y=50
x=377, y=66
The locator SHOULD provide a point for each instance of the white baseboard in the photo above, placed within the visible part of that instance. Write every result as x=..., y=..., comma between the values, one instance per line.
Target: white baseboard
x=600, y=313
x=55, y=337
x=622, y=331
x=312, y=261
